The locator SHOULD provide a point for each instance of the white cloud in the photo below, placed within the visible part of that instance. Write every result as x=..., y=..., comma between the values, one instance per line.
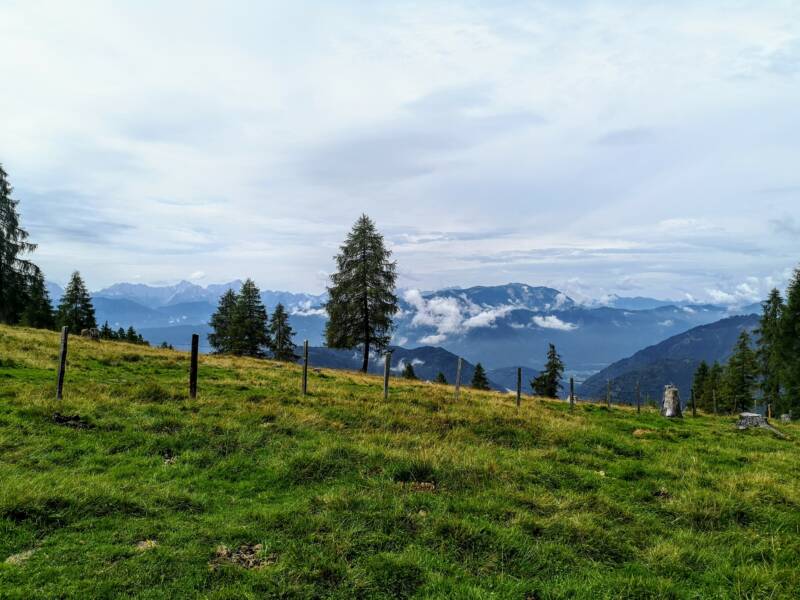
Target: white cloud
x=553, y=322
x=667, y=323
x=433, y=339
x=197, y=275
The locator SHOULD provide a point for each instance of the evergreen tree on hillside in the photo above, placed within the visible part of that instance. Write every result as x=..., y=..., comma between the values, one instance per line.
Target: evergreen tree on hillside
x=479, y=379
x=222, y=323
x=790, y=346
x=130, y=335
x=120, y=335
x=106, y=333
x=361, y=300
x=75, y=309
x=250, y=336
x=38, y=311
x=548, y=383
x=16, y=272
x=740, y=376
x=281, y=334
x=699, y=384
x=712, y=390
x=440, y=378
x=408, y=371
x=770, y=355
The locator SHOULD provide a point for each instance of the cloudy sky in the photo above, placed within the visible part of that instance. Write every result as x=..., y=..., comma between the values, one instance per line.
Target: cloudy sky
x=637, y=148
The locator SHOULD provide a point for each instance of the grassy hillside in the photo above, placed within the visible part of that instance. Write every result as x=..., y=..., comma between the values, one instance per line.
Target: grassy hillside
x=128, y=488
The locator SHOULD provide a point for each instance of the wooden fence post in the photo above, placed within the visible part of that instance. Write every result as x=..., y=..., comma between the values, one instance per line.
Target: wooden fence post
x=305, y=367
x=62, y=363
x=387, y=365
x=694, y=407
x=608, y=393
x=571, y=393
x=638, y=397
x=193, y=367
x=519, y=385
x=458, y=379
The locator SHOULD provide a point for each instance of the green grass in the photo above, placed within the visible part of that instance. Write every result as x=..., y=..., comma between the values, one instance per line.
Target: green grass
x=349, y=496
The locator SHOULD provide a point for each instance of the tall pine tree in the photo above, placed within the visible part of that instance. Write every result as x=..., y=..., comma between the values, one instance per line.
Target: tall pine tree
x=769, y=351
x=16, y=272
x=790, y=346
x=250, y=323
x=75, y=309
x=699, y=384
x=281, y=334
x=740, y=376
x=222, y=324
x=38, y=311
x=548, y=383
x=361, y=300
x=408, y=371
x=479, y=379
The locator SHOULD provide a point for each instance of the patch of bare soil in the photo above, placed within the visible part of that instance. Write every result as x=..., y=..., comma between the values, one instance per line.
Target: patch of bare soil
x=247, y=556
x=422, y=486
x=146, y=545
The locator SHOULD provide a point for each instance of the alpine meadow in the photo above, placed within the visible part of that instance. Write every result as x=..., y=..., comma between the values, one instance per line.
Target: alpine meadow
x=400, y=300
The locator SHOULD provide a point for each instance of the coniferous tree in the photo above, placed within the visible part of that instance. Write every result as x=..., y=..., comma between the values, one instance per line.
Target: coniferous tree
x=769, y=351
x=121, y=335
x=408, y=371
x=130, y=335
x=712, y=391
x=790, y=346
x=16, y=272
x=361, y=300
x=479, y=379
x=699, y=384
x=250, y=323
x=106, y=333
x=440, y=378
x=740, y=376
x=548, y=383
x=281, y=334
x=75, y=309
x=223, y=323
x=38, y=311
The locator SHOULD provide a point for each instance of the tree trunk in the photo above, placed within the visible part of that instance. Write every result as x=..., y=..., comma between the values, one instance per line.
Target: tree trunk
x=365, y=363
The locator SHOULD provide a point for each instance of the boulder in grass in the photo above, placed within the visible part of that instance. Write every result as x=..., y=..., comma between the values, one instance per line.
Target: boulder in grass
x=671, y=407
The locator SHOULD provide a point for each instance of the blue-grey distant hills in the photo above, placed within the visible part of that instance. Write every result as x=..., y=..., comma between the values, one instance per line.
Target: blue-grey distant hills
x=500, y=326
x=673, y=360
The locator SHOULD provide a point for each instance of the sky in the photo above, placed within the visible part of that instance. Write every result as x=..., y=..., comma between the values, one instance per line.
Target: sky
x=631, y=148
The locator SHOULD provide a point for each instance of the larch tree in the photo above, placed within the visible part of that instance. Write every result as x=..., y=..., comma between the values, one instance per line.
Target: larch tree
x=75, y=309
x=361, y=299
x=281, y=334
x=16, y=271
x=548, y=383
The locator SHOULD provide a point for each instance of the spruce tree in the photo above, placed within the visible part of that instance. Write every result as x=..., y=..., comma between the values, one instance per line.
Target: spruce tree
x=222, y=323
x=16, y=272
x=130, y=335
x=769, y=351
x=106, y=333
x=121, y=335
x=740, y=376
x=440, y=378
x=790, y=346
x=408, y=371
x=250, y=336
x=548, y=383
x=479, y=379
x=38, y=310
x=75, y=309
x=281, y=334
x=699, y=385
x=361, y=300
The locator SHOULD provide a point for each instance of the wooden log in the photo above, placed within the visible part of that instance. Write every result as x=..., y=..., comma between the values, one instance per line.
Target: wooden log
x=638, y=397
x=571, y=393
x=62, y=363
x=519, y=385
x=305, y=367
x=387, y=364
x=193, y=366
x=458, y=379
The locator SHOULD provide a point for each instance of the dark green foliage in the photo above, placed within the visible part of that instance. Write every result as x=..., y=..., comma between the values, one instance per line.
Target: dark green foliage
x=479, y=379
x=240, y=325
x=408, y=371
x=75, y=309
x=281, y=334
x=17, y=274
x=106, y=333
x=548, y=383
x=440, y=378
x=769, y=353
x=699, y=383
x=222, y=323
x=740, y=376
x=38, y=311
x=790, y=346
x=361, y=300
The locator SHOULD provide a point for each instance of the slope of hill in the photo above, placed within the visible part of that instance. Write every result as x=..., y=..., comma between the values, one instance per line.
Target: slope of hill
x=127, y=487
x=672, y=361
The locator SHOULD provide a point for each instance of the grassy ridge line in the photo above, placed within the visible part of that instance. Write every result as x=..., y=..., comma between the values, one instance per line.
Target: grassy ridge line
x=351, y=496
